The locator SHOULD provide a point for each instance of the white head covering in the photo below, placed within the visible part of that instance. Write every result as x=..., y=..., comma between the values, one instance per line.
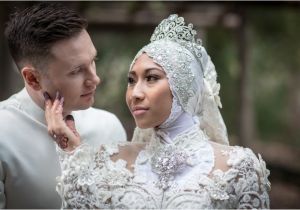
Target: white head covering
x=191, y=75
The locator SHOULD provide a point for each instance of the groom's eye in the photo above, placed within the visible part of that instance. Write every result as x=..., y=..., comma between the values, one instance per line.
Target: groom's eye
x=74, y=72
x=95, y=59
x=130, y=80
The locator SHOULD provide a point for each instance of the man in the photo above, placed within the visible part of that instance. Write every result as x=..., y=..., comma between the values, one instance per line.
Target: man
x=54, y=53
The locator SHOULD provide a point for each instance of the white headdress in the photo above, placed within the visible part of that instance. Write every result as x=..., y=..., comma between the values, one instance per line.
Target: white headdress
x=191, y=73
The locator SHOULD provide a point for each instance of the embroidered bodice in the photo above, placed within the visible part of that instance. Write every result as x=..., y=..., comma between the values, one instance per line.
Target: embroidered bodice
x=177, y=175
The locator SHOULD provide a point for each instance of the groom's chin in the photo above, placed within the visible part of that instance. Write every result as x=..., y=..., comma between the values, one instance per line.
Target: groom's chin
x=81, y=107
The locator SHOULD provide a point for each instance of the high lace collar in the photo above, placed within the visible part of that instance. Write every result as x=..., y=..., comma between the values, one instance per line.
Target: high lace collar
x=170, y=158
x=181, y=124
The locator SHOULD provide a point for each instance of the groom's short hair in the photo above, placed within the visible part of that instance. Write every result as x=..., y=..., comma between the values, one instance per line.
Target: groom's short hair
x=33, y=31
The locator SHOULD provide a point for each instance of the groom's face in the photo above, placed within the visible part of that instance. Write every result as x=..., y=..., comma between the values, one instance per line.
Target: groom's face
x=72, y=72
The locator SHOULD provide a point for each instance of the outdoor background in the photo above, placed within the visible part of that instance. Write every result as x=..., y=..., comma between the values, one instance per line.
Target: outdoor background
x=255, y=47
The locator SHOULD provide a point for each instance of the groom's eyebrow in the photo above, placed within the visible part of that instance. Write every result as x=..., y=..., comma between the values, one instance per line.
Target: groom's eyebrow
x=131, y=72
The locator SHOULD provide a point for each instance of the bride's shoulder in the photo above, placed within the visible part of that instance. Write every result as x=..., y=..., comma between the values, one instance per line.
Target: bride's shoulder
x=237, y=157
x=127, y=151
x=131, y=148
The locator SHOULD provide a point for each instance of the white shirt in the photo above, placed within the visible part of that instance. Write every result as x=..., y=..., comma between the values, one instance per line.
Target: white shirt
x=29, y=164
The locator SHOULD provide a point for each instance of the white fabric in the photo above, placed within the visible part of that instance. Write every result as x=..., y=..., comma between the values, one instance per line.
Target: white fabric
x=91, y=180
x=179, y=125
x=176, y=111
x=29, y=164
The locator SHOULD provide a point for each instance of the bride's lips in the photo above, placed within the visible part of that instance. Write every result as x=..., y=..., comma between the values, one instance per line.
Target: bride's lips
x=139, y=110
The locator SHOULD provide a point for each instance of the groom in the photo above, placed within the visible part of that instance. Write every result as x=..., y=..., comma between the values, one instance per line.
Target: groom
x=54, y=53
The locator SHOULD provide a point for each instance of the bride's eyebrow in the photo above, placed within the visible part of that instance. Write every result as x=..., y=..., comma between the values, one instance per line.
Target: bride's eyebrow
x=156, y=69
x=147, y=71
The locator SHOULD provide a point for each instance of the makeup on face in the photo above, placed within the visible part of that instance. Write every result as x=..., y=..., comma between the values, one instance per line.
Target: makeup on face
x=148, y=95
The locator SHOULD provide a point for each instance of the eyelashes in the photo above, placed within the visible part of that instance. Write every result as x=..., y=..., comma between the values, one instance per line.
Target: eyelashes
x=152, y=78
x=149, y=78
x=130, y=80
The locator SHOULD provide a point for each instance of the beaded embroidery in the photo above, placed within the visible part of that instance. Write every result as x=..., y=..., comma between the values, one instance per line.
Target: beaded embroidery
x=93, y=182
x=179, y=72
x=167, y=162
x=173, y=28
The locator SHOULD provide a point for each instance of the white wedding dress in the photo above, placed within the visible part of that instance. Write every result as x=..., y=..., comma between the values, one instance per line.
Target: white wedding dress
x=90, y=179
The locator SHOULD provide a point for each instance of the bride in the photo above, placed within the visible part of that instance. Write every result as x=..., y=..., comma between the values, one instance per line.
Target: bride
x=179, y=157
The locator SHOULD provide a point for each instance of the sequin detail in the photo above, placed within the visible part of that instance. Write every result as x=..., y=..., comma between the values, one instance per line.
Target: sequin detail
x=167, y=162
x=174, y=28
x=179, y=72
x=92, y=182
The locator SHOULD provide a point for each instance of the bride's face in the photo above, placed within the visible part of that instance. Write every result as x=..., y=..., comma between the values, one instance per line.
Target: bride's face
x=148, y=95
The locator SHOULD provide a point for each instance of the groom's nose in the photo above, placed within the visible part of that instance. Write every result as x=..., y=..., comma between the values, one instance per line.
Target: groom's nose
x=93, y=79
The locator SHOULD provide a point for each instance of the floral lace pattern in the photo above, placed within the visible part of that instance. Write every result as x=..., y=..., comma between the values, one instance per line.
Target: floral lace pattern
x=90, y=179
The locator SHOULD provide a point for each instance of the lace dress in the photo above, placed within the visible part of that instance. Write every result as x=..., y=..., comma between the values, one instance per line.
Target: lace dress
x=180, y=175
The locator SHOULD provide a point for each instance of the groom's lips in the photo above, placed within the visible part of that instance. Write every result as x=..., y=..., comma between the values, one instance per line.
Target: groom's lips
x=89, y=94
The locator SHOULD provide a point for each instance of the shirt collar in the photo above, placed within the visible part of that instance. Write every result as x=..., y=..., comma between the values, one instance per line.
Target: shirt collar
x=27, y=105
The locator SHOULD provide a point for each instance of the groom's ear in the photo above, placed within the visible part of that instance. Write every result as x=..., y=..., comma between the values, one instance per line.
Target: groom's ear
x=32, y=77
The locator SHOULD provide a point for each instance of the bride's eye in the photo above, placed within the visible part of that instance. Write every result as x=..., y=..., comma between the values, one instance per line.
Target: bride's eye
x=152, y=78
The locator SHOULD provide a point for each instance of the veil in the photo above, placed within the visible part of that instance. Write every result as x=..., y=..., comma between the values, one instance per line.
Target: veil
x=192, y=77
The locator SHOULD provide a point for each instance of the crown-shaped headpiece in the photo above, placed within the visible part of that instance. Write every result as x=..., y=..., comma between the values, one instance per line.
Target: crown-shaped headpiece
x=173, y=28
x=196, y=99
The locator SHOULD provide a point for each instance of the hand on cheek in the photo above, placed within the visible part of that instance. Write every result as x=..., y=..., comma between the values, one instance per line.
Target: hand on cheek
x=63, y=131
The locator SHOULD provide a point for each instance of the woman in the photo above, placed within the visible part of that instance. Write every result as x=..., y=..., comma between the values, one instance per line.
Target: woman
x=186, y=161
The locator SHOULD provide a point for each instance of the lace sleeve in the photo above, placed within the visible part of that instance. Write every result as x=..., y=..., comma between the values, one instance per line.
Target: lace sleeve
x=80, y=184
x=142, y=135
x=251, y=185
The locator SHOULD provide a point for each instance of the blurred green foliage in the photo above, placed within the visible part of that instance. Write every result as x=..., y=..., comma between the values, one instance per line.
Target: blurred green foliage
x=276, y=72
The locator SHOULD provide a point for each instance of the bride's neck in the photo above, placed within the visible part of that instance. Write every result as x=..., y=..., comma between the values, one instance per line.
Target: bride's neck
x=182, y=123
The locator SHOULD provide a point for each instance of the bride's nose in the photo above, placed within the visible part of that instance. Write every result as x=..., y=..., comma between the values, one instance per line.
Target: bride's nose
x=138, y=91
